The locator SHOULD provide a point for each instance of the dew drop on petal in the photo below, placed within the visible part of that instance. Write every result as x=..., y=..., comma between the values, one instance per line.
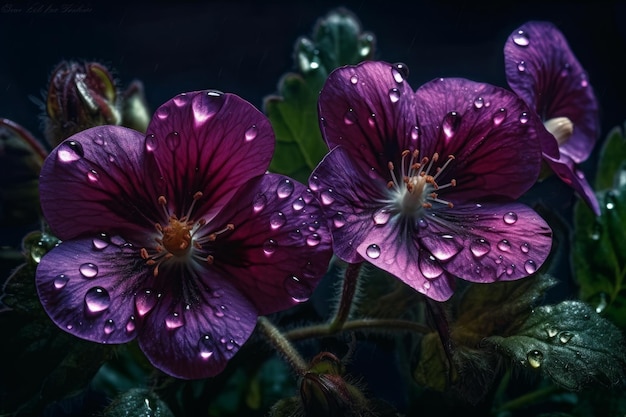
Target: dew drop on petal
x=100, y=242
x=298, y=204
x=172, y=140
x=509, y=218
x=523, y=118
x=297, y=290
x=70, y=151
x=259, y=202
x=394, y=95
x=349, y=118
x=565, y=337
x=534, y=358
x=422, y=223
x=269, y=246
x=93, y=176
x=162, y=112
x=313, y=239
x=373, y=251
x=371, y=120
x=60, y=281
x=339, y=220
x=354, y=79
x=451, y=123
x=381, y=217
x=326, y=197
x=429, y=266
x=174, y=321
x=521, y=38
x=479, y=102
x=109, y=326
x=145, y=302
x=205, y=106
x=530, y=266
x=314, y=183
x=251, y=133
x=400, y=72
x=277, y=220
x=131, y=325
x=88, y=270
x=150, y=143
x=480, y=247
x=510, y=269
x=205, y=347
x=415, y=133
x=295, y=234
x=499, y=259
x=521, y=66
x=181, y=99
x=525, y=247
x=97, y=299
x=284, y=188
x=499, y=117
x=504, y=245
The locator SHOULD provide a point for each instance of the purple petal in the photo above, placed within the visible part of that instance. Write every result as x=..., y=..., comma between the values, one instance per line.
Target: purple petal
x=87, y=287
x=208, y=142
x=94, y=182
x=489, y=242
x=280, y=246
x=542, y=69
x=491, y=133
x=564, y=168
x=369, y=109
x=196, y=338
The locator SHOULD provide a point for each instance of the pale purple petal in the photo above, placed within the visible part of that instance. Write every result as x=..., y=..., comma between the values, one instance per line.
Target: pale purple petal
x=542, y=69
x=208, y=142
x=195, y=338
x=566, y=170
x=87, y=287
x=280, y=246
x=94, y=182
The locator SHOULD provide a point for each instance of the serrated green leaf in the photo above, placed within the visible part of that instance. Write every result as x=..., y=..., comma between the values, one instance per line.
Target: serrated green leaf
x=611, y=170
x=337, y=40
x=570, y=344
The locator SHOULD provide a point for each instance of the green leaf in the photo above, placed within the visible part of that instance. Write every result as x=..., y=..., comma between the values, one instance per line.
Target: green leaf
x=612, y=161
x=137, y=402
x=336, y=40
x=570, y=344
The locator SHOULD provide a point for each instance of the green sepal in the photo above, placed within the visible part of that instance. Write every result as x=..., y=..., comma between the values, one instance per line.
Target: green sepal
x=570, y=344
x=337, y=40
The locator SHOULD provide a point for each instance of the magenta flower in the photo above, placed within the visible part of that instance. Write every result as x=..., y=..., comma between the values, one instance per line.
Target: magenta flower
x=179, y=237
x=422, y=184
x=543, y=71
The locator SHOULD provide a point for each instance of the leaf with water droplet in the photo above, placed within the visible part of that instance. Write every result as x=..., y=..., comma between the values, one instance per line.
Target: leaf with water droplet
x=138, y=402
x=337, y=40
x=570, y=344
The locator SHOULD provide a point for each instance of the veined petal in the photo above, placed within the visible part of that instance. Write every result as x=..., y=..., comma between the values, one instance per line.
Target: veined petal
x=491, y=133
x=87, y=287
x=280, y=246
x=489, y=242
x=195, y=338
x=94, y=181
x=564, y=168
x=210, y=142
x=369, y=109
x=542, y=69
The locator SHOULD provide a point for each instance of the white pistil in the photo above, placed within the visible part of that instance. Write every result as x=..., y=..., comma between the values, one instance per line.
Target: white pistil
x=561, y=128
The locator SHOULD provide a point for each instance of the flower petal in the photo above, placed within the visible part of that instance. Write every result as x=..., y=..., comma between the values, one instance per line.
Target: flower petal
x=196, y=338
x=210, y=142
x=564, y=168
x=87, y=287
x=94, y=182
x=491, y=133
x=542, y=69
x=489, y=242
x=280, y=246
x=369, y=109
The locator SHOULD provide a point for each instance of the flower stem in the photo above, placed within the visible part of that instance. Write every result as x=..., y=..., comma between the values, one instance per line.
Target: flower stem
x=282, y=345
x=386, y=325
x=350, y=281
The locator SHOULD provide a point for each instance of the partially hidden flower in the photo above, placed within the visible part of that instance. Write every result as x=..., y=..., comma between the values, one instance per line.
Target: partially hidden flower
x=179, y=237
x=542, y=69
x=422, y=184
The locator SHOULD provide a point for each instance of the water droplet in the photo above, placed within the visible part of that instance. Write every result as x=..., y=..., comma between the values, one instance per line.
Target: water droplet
x=381, y=217
x=277, y=220
x=445, y=247
x=162, y=112
x=339, y=220
x=131, y=325
x=510, y=217
x=400, y=72
x=88, y=270
x=365, y=44
x=479, y=102
x=499, y=117
x=97, y=299
x=499, y=260
x=504, y=245
x=314, y=183
x=60, y=281
x=174, y=321
x=145, y=302
x=220, y=311
x=373, y=251
x=326, y=197
x=297, y=290
x=101, y=242
x=205, y=106
x=584, y=83
x=181, y=99
x=534, y=358
x=530, y=266
x=521, y=38
x=510, y=269
x=521, y=66
x=259, y=202
x=422, y=223
x=205, y=347
x=523, y=118
x=298, y=204
x=525, y=247
x=394, y=95
x=415, y=133
x=480, y=247
x=551, y=332
x=150, y=143
x=349, y=118
x=172, y=140
x=295, y=234
x=429, y=266
x=354, y=79
x=92, y=175
x=565, y=337
x=230, y=344
x=70, y=151
x=371, y=120
x=451, y=123
x=109, y=326
x=269, y=246
x=250, y=133
x=284, y=188
x=313, y=239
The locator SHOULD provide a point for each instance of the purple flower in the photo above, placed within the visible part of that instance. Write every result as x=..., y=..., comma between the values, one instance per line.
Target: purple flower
x=543, y=71
x=179, y=237
x=422, y=184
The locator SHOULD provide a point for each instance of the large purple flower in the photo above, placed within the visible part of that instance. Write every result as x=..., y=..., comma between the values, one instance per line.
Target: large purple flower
x=178, y=237
x=422, y=184
x=543, y=71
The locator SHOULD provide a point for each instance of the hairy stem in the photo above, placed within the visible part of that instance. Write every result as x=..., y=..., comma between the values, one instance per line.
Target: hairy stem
x=350, y=281
x=282, y=345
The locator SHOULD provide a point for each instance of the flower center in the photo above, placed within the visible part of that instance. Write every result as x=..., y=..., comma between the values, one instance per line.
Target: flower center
x=179, y=237
x=561, y=128
x=417, y=187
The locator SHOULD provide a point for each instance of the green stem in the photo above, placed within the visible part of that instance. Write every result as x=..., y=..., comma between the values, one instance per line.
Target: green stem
x=350, y=281
x=385, y=325
x=282, y=345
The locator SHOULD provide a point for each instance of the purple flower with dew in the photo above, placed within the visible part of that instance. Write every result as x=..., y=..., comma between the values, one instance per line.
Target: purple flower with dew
x=543, y=71
x=179, y=238
x=422, y=184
